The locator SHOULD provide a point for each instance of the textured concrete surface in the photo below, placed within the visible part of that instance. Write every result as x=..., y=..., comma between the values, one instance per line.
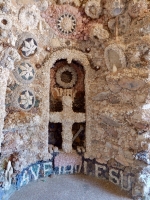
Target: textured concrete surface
x=70, y=187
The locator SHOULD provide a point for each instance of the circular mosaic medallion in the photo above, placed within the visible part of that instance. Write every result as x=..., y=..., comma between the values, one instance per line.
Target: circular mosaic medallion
x=26, y=99
x=28, y=17
x=66, y=23
x=24, y=73
x=29, y=47
x=66, y=77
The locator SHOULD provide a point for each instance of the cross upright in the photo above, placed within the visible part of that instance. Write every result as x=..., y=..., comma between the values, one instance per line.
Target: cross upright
x=67, y=117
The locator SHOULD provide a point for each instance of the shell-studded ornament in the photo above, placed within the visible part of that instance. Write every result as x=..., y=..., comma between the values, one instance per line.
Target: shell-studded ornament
x=97, y=32
x=24, y=73
x=29, y=47
x=29, y=17
x=26, y=99
x=8, y=57
x=93, y=8
x=115, y=7
x=65, y=20
x=137, y=8
x=66, y=23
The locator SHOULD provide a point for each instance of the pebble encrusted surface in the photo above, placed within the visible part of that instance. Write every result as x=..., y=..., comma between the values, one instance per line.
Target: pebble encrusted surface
x=107, y=43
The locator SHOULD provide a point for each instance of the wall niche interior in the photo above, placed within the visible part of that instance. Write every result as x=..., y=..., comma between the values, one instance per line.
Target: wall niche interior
x=55, y=137
x=67, y=80
x=78, y=131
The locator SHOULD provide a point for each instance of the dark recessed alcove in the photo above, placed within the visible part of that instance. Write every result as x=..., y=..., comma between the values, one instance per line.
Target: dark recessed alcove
x=54, y=136
x=79, y=138
x=55, y=105
x=79, y=102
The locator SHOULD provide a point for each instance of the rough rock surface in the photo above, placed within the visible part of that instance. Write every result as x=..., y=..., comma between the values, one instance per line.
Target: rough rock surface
x=98, y=54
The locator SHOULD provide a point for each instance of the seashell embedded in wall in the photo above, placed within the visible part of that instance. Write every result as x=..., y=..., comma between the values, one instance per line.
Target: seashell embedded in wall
x=114, y=57
x=5, y=22
x=93, y=8
x=8, y=57
x=26, y=100
x=97, y=32
x=22, y=37
x=8, y=176
x=24, y=73
x=4, y=7
x=66, y=23
x=29, y=17
x=43, y=5
x=23, y=98
x=137, y=8
x=118, y=8
x=29, y=47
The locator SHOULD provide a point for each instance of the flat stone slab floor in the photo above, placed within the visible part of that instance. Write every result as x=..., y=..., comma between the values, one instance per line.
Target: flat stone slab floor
x=70, y=187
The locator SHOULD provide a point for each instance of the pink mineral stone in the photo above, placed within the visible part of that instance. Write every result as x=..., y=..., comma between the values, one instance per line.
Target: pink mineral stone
x=46, y=20
x=47, y=12
x=85, y=37
x=43, y=15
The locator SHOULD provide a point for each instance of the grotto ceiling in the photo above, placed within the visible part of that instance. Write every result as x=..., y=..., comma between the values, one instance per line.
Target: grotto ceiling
x=75, y=92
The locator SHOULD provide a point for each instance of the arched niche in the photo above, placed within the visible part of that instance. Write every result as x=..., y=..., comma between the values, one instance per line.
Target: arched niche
x=69, y=55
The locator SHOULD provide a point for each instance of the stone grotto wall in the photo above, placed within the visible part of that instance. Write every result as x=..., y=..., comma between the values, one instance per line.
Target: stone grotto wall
x=104, y=51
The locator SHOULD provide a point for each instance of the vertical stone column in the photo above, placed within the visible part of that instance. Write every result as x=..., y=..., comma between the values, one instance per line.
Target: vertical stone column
x=67, y=137
x=67, y=125
x=8, y=56
x=4, y=74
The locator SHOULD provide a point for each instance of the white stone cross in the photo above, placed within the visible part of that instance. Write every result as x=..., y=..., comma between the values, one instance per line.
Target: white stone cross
x=67, y=117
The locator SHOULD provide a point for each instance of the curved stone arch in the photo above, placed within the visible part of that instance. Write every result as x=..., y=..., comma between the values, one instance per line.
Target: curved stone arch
x=70, y=55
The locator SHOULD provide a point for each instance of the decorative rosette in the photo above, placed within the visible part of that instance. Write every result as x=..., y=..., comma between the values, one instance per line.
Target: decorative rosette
x=24, y=73
x=66, y=77
x=25, y=99
x=29, y=17
x=29, y=47
x=66, y=20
